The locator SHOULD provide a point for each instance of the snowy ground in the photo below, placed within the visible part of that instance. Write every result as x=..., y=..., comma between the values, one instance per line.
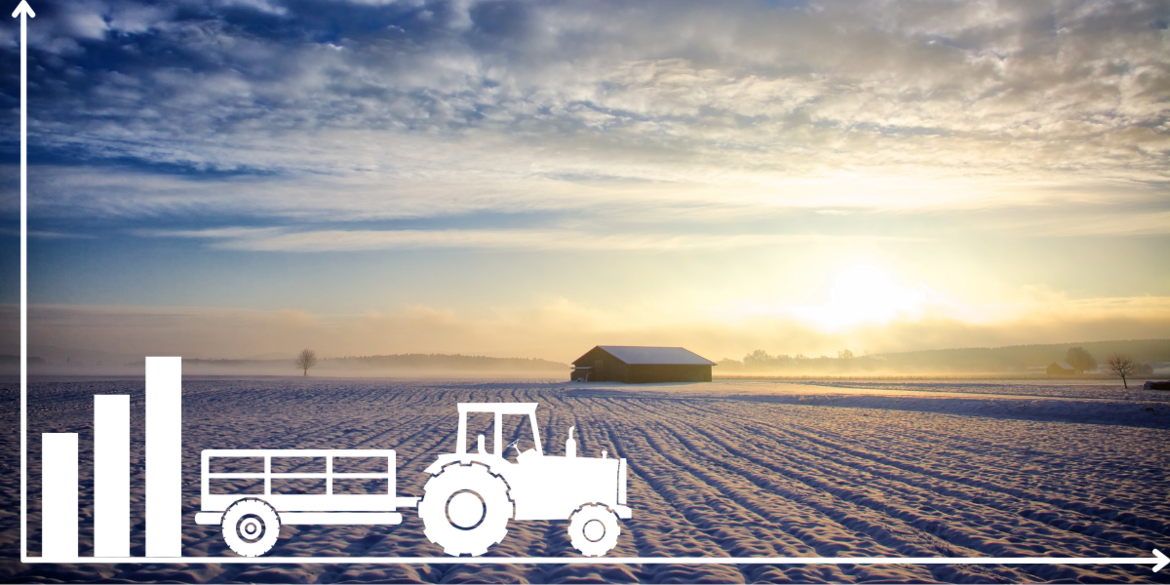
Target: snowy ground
x=746, y=468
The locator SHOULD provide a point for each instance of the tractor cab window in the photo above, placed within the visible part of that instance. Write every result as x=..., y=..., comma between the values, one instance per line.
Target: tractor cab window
x=480, y=423
x=517, y=436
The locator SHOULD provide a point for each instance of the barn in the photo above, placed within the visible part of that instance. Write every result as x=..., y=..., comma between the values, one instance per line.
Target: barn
x=1061, y=370
x=641, y=365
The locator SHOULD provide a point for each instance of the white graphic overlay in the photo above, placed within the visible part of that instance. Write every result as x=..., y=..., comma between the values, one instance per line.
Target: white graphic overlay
x=470, y=498
x=164, y=456
x=467, y=504
x=251, y=523
x=59, y=513
x=23, y=12
x=111, y=476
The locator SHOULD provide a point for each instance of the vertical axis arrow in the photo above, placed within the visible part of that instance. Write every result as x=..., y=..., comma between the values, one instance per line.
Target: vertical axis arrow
x=23, y=11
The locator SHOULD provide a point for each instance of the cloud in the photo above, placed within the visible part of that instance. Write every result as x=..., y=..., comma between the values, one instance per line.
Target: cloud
x=1104, y=223
x=70, y=197
x=281, y=240
x=47, y=235
x=778, y=131
x=955, y=103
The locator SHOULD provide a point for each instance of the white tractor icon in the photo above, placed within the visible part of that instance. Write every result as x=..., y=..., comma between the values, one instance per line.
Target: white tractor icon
x=470, y=497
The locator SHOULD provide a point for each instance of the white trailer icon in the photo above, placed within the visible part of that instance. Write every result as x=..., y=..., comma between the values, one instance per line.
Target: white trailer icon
x=467, y=501
x=251, y=523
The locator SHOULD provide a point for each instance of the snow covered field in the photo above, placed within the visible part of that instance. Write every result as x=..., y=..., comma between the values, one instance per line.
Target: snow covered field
x=748, y=468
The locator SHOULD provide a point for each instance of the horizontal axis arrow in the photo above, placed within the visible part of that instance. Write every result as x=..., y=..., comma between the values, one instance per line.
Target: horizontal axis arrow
x=1159, y=560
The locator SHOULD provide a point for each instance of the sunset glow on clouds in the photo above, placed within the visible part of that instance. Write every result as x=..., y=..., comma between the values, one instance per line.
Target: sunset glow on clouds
x=793, y=176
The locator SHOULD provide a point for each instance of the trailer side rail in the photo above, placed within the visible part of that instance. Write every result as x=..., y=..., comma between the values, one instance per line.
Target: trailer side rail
x=326, y=502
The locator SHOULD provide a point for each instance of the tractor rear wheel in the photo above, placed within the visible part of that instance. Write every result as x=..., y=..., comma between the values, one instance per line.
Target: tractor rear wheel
x=250, y=527
x=465, y=509
x=594, y=530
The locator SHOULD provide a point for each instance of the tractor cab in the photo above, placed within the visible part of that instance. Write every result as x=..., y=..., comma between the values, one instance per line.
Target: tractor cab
x=525, y=452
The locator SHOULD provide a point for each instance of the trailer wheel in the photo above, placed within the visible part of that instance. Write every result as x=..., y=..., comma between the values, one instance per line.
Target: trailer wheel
x=250, y=527
x=594, y=530
x=465, y=509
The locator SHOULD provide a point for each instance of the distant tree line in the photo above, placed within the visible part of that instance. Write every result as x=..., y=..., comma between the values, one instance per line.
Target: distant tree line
x=1012, y=359
x=15, y=360
x=419, y=361
x=760, y=361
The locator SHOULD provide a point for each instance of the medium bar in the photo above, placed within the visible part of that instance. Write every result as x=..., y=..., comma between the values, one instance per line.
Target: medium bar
x=59, y=486
x=111, y=476
x=164, y=456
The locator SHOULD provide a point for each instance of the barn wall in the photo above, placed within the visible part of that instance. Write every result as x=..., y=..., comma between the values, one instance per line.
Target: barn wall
x=618, y=371
x=604, y=367
x=648, y=374
x=587, y=361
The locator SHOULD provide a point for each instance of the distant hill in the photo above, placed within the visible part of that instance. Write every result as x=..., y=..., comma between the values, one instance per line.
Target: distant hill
x=411, y=364
x=7, y=360
x=1016, y=359
x=10, y=364
x=1019, y=358
x=434, y=361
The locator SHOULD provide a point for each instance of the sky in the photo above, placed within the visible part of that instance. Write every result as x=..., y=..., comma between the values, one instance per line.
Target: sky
x=240, y=178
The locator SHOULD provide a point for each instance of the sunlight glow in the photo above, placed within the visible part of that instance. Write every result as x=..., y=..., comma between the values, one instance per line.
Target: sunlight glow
x=863, y=293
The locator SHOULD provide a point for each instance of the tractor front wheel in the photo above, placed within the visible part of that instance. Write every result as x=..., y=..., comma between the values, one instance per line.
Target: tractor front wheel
x=465, y=509
x=594, y=530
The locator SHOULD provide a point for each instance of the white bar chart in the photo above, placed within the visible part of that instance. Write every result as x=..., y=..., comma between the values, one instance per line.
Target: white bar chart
x=111, y=476
x=164, y=465
x=59, y=510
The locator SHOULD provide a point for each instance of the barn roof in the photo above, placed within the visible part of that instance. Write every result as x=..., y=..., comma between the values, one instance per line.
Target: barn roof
x=1061, y=365
x=673, y=356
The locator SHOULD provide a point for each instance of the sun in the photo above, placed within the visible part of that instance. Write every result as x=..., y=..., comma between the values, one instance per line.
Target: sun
x=860, y=294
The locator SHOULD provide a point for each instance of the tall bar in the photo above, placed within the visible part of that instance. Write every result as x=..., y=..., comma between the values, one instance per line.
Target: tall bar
x=164, y=456
x=111, y=476
x=59, y=512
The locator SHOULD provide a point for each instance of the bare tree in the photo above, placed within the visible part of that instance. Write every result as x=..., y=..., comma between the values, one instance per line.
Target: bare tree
x=305, y=360
x=1120, y=365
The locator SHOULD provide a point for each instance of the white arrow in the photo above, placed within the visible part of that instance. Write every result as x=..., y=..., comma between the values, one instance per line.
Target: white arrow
x=24, y=12
x=1159, y=560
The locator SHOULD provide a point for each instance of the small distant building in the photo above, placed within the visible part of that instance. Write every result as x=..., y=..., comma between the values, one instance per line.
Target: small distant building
x=1061, y=370
x=641, y=365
